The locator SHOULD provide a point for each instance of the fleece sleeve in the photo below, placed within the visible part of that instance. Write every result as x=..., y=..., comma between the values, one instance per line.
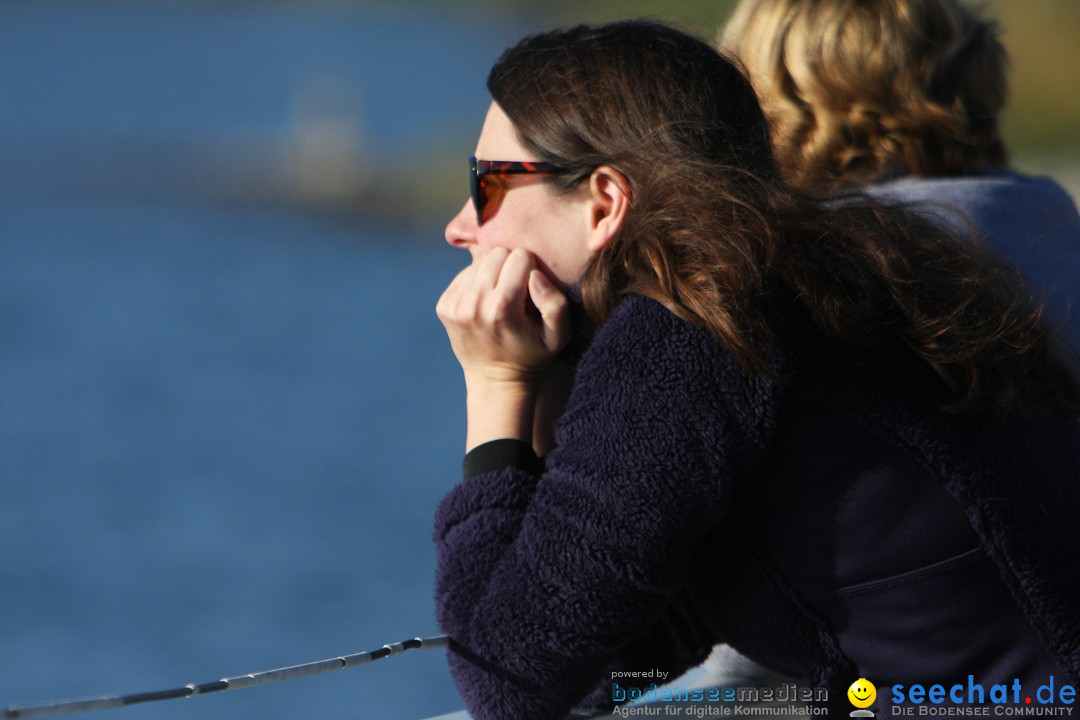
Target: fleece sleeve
x=542, y=578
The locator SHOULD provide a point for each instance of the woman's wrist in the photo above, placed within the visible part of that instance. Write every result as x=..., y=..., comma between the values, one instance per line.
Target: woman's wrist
x=498, y=410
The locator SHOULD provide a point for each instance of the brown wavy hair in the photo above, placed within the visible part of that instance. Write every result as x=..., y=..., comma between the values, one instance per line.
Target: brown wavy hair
x=858, y=90
x=715, y=235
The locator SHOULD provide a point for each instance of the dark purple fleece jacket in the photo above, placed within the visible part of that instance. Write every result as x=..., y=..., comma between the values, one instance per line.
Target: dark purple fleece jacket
x=688, y=503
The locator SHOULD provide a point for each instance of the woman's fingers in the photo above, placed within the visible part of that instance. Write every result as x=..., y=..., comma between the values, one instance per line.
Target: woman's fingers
x=488, y=313
x=508, y=302
x=448, y=308
x=554, y=310
x=492, y=290
x=489, y=268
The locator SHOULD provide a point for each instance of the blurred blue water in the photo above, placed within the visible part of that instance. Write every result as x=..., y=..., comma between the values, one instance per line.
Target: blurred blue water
x=223, y=436
x=223, y=428
x=168, y=69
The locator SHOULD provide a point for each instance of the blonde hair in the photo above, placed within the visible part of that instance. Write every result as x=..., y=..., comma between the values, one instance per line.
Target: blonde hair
x=858, y=90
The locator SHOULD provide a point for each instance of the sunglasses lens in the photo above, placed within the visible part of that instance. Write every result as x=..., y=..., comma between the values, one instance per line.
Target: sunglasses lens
x=487, y=192
x=492, y=189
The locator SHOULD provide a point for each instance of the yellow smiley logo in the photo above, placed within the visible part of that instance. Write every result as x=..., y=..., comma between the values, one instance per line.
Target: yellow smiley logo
x=862, y=693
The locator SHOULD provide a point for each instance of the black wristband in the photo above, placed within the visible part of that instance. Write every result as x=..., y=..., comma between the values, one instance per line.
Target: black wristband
x=497, y=454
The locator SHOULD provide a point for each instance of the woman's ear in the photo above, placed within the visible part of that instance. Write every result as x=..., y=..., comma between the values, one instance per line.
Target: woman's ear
x=609, y=202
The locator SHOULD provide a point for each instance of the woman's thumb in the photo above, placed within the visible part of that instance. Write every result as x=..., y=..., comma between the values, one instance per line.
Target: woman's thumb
x=552, y=304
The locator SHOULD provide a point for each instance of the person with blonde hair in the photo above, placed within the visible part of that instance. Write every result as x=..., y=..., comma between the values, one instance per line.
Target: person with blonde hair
x=903, y=98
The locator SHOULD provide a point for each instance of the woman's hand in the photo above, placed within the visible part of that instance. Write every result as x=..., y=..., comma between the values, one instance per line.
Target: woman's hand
x=506, y=323
x=505, y=319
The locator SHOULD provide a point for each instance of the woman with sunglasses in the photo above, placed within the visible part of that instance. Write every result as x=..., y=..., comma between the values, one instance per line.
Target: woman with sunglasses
x=705, y=407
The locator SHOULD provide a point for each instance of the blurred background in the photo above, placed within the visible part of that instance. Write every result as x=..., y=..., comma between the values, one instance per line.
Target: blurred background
x=227, y=410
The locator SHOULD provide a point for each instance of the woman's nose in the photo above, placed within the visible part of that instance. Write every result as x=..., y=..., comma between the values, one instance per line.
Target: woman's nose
x=461, y=230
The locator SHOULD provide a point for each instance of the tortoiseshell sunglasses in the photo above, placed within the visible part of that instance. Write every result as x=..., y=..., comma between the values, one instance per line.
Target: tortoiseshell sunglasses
x=486, y=187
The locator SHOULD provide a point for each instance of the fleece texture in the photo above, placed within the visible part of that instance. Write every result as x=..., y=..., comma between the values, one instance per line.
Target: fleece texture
x=632, y=547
